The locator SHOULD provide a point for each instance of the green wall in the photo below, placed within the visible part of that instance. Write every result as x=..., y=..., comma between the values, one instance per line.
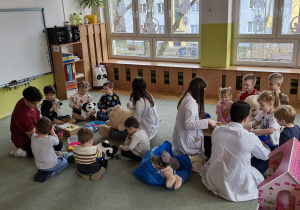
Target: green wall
x=9, y=98
x=216, y=45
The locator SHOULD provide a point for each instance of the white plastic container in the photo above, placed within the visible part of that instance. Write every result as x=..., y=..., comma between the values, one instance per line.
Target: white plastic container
x=72, y=139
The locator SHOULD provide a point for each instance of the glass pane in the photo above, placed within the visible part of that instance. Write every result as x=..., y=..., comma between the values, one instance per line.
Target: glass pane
x=151, y=16
x=185, y=14
x=180, y=49
x=120, y=13
x=260, y=13
x=139, y=48
x=265, y=52
x=291, y=17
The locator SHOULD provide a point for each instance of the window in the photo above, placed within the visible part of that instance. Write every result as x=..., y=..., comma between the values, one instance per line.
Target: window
x=160, y=8
x=266, y=37
x=149, y=34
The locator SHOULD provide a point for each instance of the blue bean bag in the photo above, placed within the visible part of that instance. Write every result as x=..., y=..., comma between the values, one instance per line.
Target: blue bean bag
x=150, y=175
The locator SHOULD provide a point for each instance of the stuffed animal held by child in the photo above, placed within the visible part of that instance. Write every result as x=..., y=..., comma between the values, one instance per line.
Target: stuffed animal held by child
x=173, y=180
x=110, y=151
x=117, y=117
x=167, y=160
x=57, y=109
x=254, y=109
x=87, y=107
x=78, y=17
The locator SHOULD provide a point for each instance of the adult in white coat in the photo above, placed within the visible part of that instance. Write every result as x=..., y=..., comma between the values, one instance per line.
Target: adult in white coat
x=144, y=107
x=229, y=173
x=187, y=135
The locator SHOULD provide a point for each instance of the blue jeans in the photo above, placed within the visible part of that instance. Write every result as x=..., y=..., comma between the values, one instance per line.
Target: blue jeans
x=62, y=164
x=102, y=116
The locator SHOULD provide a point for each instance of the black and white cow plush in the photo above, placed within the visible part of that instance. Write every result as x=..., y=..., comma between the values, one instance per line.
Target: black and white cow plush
x=87, y=107
x=57, y=109
x=110, y=151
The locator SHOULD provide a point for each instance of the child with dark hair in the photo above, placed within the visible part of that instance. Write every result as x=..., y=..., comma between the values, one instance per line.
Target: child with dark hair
x=188, y=137
x=285, y=116
x=229, y=173
x=89, y=159
x=137, y=142
x=107, y=101
x=47, y=108
x=44, y=148
x=144, y=107
x=23, y=120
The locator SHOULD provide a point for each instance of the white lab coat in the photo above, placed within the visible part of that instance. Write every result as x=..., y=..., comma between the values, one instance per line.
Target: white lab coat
x=187, y=135
x=229, y=173
x=147, y=116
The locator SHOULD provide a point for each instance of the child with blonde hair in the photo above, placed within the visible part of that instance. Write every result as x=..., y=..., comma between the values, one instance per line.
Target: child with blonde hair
x=268, y=102
x=285, y=116
x=249, y=82
x=224, y=105
x=275, y=82
x=79, y=98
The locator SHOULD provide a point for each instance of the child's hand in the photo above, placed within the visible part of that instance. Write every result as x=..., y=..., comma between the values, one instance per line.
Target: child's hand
x=120, y=147
x=52, y=131
x=88, y=114
x=103, y=111
x=265, y=145
x=250, y=127
x=54, y=106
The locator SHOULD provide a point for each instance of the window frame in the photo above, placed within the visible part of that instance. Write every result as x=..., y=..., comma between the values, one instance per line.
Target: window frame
x=136, y=35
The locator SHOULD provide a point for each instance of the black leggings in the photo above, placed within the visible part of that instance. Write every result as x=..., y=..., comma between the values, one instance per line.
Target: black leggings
x=130, y=155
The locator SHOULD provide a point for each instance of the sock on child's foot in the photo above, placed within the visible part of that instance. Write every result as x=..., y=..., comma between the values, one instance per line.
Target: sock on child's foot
x=84, y=176
x=98, y=175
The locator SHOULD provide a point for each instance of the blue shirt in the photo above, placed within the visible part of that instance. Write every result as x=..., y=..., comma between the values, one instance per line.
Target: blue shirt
x=289, y=133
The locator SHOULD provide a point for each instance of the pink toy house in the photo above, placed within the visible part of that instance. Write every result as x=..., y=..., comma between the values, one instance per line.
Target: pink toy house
x=281, y=190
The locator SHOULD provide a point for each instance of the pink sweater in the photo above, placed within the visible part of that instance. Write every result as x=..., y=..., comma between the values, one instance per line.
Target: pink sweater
x=223, y=112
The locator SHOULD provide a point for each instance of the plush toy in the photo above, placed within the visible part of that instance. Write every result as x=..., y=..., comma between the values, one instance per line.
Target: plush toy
x=78, y=18
x=87, y=107
x=166, y=160
x=117, y=117
x=254, y=108
x=110, y=151
x=57, y=109
x=173, y=180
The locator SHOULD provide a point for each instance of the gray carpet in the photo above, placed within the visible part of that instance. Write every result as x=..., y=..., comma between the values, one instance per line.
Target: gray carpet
x=117, y=189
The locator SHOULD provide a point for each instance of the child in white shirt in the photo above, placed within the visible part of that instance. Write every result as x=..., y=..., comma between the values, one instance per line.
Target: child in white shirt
x=137, y=142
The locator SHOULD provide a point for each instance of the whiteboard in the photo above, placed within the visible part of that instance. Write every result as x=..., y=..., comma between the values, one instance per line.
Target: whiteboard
x=24, y=50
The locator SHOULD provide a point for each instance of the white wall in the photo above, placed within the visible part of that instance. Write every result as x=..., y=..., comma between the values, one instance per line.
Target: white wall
x=53, y=9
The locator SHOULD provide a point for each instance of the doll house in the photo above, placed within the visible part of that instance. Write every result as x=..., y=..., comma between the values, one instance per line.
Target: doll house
x=281, y=190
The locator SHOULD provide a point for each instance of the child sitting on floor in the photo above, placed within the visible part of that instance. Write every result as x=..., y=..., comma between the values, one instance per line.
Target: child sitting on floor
x=137, y=142
x=224, y=105
x=45, y=149
x=47, y=108
x=285, y=116
x=90, y=161
x=107, y=101
x=79, y=98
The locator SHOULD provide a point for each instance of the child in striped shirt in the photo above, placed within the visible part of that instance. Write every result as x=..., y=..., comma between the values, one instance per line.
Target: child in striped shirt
x=89, y=159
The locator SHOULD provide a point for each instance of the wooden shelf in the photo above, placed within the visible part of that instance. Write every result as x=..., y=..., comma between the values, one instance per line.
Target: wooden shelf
x=73, y=62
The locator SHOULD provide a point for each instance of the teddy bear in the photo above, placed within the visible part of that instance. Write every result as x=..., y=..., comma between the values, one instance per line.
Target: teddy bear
x=78, y=18
x=173, y=180
x=166, y=160
x=117, y=117
x=87, y=107
x=109, y=151
x=57, y=109
x=254, y=109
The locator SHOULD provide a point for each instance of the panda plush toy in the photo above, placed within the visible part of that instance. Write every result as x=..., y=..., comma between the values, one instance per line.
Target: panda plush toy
x=109, y=151
x=87, y=107
x=57, y=109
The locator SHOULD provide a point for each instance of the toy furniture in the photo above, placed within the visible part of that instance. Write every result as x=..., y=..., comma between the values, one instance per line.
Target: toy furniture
x=281, y=190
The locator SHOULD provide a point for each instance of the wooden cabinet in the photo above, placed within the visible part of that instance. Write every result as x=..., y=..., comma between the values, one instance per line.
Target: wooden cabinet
x=59, y=71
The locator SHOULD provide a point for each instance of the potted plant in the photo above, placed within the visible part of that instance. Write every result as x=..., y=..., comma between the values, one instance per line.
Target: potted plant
x=94, y=4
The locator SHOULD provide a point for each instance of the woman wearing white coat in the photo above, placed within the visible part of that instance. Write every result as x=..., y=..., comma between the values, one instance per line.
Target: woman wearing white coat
x=187, y=135
x=144, y=107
